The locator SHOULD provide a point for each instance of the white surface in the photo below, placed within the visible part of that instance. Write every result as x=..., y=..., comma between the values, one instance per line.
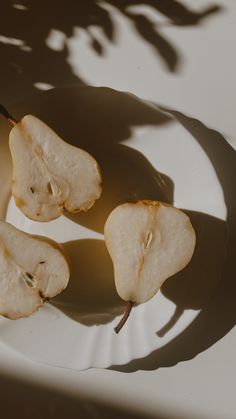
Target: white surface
x=204, y=87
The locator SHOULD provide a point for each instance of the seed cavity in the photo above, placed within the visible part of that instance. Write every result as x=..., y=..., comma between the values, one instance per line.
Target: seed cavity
x=49, y=188
x=32, y=190
x=42, y=262
x=29, y=283
x=148, y=240
x=30, y=279
x=53, y=188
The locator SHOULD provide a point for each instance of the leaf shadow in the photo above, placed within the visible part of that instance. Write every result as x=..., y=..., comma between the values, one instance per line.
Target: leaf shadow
x=36, y=59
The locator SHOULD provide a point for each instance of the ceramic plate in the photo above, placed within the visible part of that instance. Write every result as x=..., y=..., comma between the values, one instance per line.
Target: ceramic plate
x=144, y=153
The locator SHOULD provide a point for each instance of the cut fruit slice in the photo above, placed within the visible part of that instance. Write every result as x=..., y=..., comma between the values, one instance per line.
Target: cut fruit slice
x=148, y=241
x=32, y=270
x=50, y=176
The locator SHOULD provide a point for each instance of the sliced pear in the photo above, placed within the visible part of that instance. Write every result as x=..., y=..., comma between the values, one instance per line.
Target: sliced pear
x=148, y=242
x=32, y=269
x=50, y=176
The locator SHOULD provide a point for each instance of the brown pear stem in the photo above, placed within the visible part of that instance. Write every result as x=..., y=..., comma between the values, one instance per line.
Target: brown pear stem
x=125, y=316
x=8, y=116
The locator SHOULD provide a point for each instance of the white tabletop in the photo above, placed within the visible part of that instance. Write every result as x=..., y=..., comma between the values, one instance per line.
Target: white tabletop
x=180, y=55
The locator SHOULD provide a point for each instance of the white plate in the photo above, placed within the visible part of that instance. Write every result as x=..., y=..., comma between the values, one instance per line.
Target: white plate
x=132, y=140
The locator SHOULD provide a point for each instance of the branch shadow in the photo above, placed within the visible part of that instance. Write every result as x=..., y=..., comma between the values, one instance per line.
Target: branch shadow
x=167, y=51
x=177, y=14
x=180, y=14
x=35, y=56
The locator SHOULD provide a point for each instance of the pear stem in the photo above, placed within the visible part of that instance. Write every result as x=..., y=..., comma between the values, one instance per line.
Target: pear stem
x=125, y=316
x=7, y=115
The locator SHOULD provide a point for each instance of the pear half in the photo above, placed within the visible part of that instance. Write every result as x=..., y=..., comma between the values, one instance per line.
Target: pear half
x=32, y=269
x=50, y=176
x=148, y=242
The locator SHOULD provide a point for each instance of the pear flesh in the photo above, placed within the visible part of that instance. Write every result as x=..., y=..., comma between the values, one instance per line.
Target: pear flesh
x=49, y=175
x=32, y=269
x=148, y=242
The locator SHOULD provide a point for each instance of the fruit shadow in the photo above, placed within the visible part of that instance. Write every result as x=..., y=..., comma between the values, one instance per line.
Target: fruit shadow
x=127, y=177
x=192, y=287
x=212, y=267
x=99, y=120
x=90, y=297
